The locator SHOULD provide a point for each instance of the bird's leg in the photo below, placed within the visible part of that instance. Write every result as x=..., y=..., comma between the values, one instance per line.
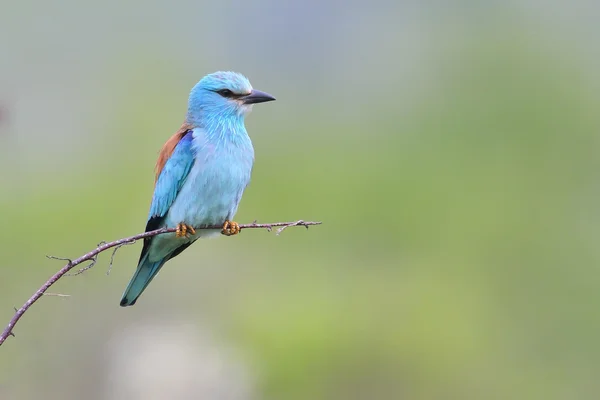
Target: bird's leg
x=230, y=228
x=184, y=230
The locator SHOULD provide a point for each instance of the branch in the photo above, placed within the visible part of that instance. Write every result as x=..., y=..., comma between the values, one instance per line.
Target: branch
x=91, y=259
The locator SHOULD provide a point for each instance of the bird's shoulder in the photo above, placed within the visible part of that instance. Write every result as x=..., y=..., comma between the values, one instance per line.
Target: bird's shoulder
x=169, y=147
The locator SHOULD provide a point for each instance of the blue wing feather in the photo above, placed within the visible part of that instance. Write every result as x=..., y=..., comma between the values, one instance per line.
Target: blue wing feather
x=172, y=177
x=169, y=183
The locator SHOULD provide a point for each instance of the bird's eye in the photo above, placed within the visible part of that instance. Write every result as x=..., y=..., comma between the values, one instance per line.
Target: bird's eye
x=225, y=92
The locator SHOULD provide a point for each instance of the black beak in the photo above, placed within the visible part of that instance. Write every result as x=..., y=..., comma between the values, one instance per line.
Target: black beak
x=256, y=96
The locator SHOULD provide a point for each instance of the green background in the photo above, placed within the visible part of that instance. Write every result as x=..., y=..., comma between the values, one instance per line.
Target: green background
x=450, y=151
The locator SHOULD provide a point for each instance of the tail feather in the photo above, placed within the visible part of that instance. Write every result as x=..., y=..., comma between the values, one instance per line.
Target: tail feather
x=145, y=272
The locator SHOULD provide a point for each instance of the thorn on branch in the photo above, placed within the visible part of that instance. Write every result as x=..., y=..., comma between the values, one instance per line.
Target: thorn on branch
x=112, y=256
x=284, y=227
x=57, y=294
x=93, y=262
x=60, y=258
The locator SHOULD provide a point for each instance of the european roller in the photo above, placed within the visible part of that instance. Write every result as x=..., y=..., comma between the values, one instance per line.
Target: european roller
x=201, y=173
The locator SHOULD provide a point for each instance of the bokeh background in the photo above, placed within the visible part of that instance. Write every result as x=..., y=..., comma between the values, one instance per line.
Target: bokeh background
x=451, y=149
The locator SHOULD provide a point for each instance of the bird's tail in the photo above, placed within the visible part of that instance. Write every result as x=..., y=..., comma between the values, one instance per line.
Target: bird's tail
x=144, y=274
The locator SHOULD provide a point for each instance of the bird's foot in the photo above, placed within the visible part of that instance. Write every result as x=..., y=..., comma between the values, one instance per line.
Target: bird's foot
x=184, y=230
x=230, y=228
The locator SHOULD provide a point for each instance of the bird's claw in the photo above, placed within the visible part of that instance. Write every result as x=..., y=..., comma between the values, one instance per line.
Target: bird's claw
x=184, y=230
x=230, y=228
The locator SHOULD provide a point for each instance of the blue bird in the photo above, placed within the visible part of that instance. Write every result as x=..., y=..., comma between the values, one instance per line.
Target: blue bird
x=201, y=173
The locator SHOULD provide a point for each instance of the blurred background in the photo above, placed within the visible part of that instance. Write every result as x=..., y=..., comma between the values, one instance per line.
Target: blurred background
x=451, y=149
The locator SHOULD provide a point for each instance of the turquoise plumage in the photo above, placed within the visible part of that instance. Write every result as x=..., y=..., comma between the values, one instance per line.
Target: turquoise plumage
x=201, y=173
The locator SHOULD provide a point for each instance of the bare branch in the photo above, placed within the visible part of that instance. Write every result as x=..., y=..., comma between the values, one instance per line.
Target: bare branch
x=92, y=258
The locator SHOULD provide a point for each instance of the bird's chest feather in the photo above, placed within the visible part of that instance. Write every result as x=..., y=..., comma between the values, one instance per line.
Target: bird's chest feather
x=214, y=186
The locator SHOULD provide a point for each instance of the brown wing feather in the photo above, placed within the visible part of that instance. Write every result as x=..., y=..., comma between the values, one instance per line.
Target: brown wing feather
x=168, y=149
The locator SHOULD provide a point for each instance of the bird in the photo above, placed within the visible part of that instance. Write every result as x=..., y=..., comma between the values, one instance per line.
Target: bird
x=200, y=175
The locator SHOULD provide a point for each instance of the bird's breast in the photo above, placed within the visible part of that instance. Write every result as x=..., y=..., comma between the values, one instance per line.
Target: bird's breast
x=214, y=187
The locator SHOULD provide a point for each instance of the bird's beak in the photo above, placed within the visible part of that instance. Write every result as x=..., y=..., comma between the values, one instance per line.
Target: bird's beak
x=256, y=96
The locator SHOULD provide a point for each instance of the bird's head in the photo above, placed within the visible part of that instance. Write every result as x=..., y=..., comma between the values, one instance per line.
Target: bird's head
x=223, y=94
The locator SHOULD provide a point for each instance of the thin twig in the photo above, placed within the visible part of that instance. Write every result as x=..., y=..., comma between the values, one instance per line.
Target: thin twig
x=297, y=223
x=112, y=256
x=59, y=258
x=93, y=262
x=92, y=256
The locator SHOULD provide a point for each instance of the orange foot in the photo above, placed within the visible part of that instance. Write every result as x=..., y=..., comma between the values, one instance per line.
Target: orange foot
x=230, y=228
x=184, y=230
